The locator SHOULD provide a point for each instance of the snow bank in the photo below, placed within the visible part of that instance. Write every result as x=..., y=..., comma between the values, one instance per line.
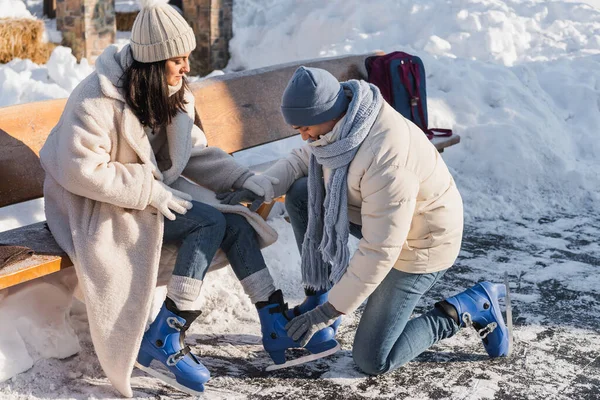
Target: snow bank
x=504, y=32
x=517, y=80
x=22, y=81
x=35, y=323
x=14, y=9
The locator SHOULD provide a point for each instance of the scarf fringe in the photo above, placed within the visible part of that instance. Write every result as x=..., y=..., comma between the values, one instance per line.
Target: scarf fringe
x=338, y=269
x=314, y=278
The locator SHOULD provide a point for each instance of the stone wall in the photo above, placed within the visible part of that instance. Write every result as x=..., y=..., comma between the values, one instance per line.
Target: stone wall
x=212, y=21
x=87, y=26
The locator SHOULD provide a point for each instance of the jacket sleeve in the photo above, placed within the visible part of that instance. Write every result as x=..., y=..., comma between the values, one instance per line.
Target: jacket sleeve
x=212, y=167
x=78, y=158
x=289, y=169
x=389, y=200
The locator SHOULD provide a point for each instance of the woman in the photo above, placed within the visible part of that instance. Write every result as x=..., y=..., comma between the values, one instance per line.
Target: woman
x=113, y=165
x=369, y=172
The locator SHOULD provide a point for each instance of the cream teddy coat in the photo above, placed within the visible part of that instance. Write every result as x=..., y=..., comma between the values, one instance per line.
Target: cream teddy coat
x=99, y=171
x=401, y=193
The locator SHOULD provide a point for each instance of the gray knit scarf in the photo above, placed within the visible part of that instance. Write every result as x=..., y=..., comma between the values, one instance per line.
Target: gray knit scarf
x=326, y=239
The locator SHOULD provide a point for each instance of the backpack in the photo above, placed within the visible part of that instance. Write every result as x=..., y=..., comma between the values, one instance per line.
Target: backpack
x=401, y=79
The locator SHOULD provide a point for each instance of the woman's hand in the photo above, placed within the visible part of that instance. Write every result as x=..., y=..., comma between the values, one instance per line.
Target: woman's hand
x=262, y=185
x=306, y=325
x=165, y=199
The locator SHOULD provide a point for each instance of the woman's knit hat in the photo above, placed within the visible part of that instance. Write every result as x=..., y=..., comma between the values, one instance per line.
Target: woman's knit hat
x=159, y=32
x=313, y=96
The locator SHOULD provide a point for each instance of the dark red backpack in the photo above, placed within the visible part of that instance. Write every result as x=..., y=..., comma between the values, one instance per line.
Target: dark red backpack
x=401, y=79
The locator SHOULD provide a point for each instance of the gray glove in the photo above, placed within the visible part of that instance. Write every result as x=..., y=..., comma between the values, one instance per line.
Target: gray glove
x=262, y=185
x=242, y=195
x=306, y=325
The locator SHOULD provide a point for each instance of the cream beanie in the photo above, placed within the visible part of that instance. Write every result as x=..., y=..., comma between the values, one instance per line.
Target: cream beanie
x=159, y=32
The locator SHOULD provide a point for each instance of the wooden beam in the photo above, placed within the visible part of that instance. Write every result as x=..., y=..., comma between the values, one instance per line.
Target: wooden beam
x=34, y=267
x=241, y=110
x=23, y=131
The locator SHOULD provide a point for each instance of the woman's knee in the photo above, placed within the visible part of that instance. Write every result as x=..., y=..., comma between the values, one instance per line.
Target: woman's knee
x=238, y=225
x=208, y=216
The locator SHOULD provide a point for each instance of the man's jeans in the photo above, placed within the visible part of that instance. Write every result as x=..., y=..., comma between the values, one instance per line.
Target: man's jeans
x=202, y=230
x=385, y=338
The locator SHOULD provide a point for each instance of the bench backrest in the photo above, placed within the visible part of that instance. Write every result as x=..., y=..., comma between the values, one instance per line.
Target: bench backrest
x=236, y=111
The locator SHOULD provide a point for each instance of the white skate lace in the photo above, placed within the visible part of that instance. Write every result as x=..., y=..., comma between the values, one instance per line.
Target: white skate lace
x=483, y=332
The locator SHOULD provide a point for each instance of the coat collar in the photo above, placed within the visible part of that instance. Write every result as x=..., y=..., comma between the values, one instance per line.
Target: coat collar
x=110, y=67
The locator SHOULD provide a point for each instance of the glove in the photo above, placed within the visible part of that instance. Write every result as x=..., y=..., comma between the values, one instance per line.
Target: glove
x=306, y=325
x=165, y=199
x=242, y=195
x=262, y=185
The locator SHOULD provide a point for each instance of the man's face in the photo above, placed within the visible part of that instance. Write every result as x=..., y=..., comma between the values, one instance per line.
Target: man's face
x=315, y=131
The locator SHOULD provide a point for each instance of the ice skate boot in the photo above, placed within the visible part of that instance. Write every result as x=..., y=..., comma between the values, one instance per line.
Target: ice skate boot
x=312, y=300
x=478, y=307
x=164, y=342
x=272, y=315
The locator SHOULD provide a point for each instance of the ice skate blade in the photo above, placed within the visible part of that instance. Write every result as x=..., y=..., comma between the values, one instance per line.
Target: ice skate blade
x=168, y=380
x=303, y=360
x=509, y=322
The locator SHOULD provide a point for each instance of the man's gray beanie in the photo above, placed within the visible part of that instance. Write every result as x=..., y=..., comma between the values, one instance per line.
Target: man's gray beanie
x=312, y=96
x=159, y=32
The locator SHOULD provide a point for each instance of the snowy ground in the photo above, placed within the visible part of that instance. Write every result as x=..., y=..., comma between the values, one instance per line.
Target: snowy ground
x=553, y=267
x=519, y=80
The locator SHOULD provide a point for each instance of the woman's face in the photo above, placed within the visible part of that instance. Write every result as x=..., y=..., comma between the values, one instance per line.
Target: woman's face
x=176, y=67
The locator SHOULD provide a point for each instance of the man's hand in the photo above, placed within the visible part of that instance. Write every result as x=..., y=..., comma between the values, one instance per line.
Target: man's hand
x=261, y=185
x=306, y=325
x=242, y=195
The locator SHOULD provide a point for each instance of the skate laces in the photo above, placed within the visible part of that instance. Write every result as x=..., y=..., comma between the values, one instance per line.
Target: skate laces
x=483, y=332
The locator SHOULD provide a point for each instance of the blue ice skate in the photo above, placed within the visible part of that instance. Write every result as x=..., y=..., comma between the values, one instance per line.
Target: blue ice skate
x=276, y=341
x=478, y=307
x=312, y=300
x=164, y=342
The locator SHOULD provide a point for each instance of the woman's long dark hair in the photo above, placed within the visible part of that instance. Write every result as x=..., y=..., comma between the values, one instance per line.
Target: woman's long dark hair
x=147, y=93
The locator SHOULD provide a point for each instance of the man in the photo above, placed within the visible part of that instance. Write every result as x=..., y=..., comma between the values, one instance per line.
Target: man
x=369, y=172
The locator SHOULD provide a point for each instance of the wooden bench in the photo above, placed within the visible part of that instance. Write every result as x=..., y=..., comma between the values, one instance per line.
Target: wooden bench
x=236, y=111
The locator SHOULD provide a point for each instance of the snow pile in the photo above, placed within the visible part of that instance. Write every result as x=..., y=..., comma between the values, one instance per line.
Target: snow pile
x=35, y=323
x=518, y=81
x=505, y=32
x=22, y=81
x=14, y=9
x=64, y=69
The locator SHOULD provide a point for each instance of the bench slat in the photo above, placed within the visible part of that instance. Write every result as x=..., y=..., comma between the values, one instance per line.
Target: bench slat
x=237, y=111
x=34, y=267
x=23, y=131
x=241, y=110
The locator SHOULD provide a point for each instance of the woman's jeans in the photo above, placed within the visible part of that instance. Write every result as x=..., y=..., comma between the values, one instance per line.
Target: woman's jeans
x=201, y=231
x=385, y=338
